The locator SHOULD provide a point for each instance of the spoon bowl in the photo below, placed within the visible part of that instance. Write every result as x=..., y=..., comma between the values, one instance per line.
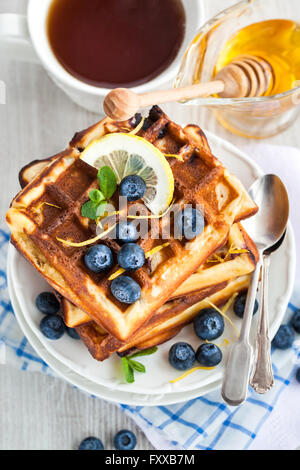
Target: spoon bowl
x=268, y=225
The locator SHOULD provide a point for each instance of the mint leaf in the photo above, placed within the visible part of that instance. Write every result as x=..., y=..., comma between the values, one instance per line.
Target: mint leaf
x=96, y=196
x=137, y=365
x=107, y=181
x=146, y=352
x=101, y=208
x=89, y=209
x=128, y=371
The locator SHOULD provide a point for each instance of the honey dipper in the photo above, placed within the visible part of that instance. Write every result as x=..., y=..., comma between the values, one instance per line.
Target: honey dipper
x=245, y=77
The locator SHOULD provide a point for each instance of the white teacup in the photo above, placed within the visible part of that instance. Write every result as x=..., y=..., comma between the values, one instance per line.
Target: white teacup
x=25, y=38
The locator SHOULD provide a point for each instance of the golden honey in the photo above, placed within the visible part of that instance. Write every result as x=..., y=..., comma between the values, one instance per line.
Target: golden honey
x=277, y=41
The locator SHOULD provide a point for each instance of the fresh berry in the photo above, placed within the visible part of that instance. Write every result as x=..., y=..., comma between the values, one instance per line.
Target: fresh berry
x=181, y=356
x=125, y=289
x=125, y=440
x=298, y=375
x=209, y=324
x=296, y=321
x=284, y=337
x=131, y=257
x=126, y=232
x=52, y=326
x=133, y=187
x=99, y=258
x=47, y=303
x=209, y=355
x=72, y=333
x=239, y=305
x=188, y=223
x=91, y=443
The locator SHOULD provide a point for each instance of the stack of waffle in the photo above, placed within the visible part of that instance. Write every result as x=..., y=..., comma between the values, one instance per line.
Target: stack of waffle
x=176, y=282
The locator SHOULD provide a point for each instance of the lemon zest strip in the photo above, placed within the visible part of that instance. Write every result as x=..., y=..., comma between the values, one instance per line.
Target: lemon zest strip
x=116, y=274
x=190, y=372
x=173, y=155
x=229, y=302
x=87, y=242
x=156, y=250
x=152, y=216
x=137, y=128
x=225, y=316
x=215, y=259
x=37, y=209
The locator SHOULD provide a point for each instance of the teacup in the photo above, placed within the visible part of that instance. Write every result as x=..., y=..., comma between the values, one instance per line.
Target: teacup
x=24, y=37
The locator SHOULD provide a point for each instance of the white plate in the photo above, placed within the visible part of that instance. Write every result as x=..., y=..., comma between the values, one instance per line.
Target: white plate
x=157, y=381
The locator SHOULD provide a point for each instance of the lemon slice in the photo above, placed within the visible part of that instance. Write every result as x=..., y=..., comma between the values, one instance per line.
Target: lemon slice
x=132, y=155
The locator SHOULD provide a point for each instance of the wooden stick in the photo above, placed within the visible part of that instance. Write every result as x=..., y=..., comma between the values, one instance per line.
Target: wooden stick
x=245, y=77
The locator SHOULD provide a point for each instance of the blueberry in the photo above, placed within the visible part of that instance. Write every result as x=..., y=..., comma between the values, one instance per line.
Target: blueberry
x=125, y=440
x=209, y=355
x=131, y=257
x=72, y=333
x=133, y=187
x=126, y=232
x=284, y=337
x=99, y=258
x=47, y=303
x=181, y=356
x=52, y=326
x=296, y=321
x=209, y=324
x=298, y=375
x=125, y=289
x=91, y=443
x=188, y=223
x=239, y=305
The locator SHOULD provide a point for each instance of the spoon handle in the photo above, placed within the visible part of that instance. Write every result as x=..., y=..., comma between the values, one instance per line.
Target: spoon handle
x=236, y=379
x=262, y=379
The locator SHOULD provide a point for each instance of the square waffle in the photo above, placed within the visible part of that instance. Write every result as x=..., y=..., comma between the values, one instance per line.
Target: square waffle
x=222, y=267
x=217, y=280
x=66, y=182
x=163, y=325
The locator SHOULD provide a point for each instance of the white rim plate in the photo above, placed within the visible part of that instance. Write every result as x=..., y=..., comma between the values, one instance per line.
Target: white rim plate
x=108, y=374
x=114, y=396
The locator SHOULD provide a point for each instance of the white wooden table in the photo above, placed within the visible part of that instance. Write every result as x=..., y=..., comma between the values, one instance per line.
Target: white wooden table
x=39, y=412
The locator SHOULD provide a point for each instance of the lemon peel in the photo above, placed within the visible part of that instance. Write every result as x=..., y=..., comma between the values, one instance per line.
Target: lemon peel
x=183, y=376
x=116, y=274
x=87, y=242
x=215, y=258
x=156, y=250
x=173, y=155
x=159, y=216
x=37, y=209
x=225, y=316
x=137, y=128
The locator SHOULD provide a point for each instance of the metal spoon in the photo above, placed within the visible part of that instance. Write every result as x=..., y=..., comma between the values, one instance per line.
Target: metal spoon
x=266, y=229
x=262, y=379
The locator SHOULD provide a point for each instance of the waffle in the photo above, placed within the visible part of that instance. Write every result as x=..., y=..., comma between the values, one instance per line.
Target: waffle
x=220, y=268
x=164, y=325
x=66, y=182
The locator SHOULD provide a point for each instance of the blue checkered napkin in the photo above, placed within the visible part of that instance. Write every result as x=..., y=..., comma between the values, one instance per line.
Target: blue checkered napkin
x=14, y=347
x=202, y=423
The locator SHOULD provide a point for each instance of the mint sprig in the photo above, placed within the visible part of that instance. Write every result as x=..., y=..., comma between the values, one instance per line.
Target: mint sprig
x=95, y=207
x=130, y=365
x=107, y=181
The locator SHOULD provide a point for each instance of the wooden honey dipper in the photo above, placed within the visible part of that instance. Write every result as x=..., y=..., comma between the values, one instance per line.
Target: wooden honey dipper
x=245, y=77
